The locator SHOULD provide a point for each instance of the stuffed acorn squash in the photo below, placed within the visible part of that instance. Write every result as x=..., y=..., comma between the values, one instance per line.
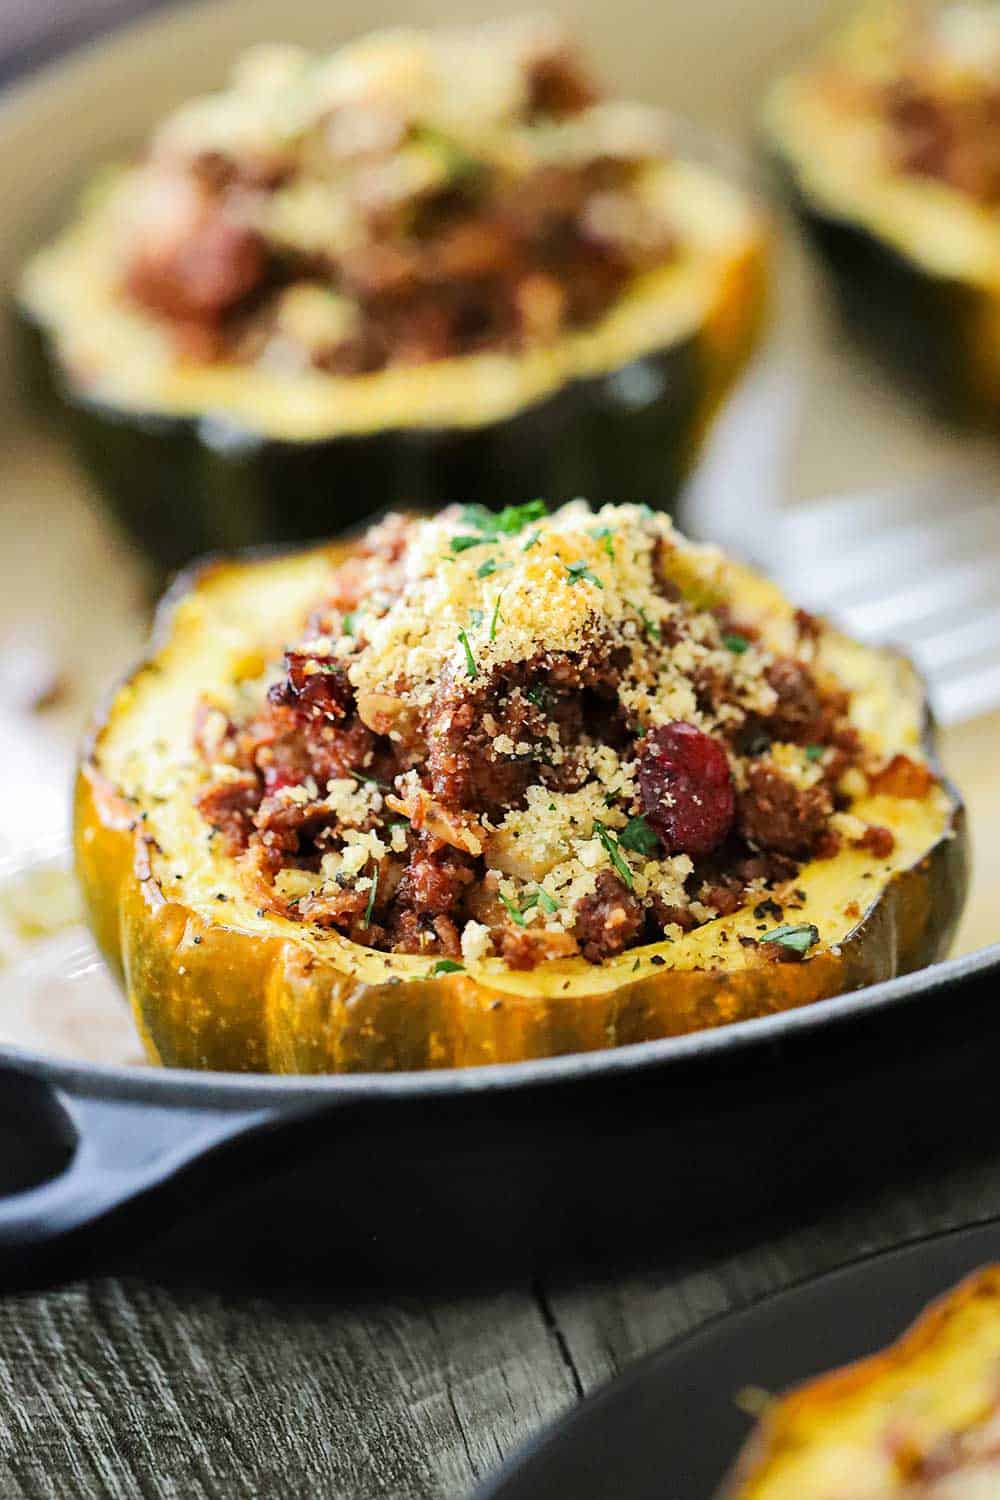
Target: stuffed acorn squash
x=426, y=267
x=919, y=1421
x=498, y=786
x=887, y=145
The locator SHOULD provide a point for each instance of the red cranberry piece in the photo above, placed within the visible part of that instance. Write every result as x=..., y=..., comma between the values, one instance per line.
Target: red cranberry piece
x=687, y=790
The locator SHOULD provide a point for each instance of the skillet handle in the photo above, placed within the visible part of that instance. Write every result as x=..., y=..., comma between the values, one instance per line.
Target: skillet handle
x=109, y=1152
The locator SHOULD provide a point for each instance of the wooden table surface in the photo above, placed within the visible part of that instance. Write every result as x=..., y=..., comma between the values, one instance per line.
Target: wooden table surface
x=136, y=1386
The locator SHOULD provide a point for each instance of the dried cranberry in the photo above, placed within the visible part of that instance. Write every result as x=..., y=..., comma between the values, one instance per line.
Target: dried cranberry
x=687, y=790
x=316, y=690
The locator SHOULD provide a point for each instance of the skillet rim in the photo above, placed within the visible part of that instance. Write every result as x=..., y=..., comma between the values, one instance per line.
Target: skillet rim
x=255, y=1090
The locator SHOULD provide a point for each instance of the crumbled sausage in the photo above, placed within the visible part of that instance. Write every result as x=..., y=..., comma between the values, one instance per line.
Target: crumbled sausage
x=607, y=921
x=773, y=814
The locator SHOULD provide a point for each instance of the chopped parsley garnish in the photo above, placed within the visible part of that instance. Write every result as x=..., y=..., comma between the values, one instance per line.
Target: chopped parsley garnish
x=532, y=539
x=497, y=618
x=538, y=695
x=614, y=852
x=459, y=165
x=371, y=899
x=815, y=752
x=447, y=966
x=606, y=535
x=513, y=910
x=638, y=835
x=737, y=644
x=799, y=938
x=650, y=626
x=470, y=660
x=485, y=569
x=537, y=897
x=578, y=570
x=383, y=786
x=463, y=543
x=348, y=624
x=506, y=522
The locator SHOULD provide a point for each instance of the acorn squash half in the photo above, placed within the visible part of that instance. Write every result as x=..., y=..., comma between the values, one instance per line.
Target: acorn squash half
x=914, y=263
x=216, y=983
x=194, y=457
x=924, y=1409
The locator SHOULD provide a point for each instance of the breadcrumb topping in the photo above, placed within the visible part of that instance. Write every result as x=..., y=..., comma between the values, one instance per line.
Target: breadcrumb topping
x=537, y=735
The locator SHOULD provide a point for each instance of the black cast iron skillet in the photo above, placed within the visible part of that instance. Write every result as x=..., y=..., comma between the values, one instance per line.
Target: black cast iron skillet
x=671, y=1426
x=485, y=1173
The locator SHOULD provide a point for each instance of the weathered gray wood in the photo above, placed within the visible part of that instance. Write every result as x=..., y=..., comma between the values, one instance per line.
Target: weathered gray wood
x=606, y=1326
x=129, y=1389
x=126, y=1389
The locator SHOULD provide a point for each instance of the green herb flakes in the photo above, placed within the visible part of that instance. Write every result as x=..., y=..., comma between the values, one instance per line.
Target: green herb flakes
x=470, y=660
x=506, y=522
x=372, y=893
x=650, y=626
x=463, y=543
x=611, y=845
x=638, y=836
x=447, y=966
x=579, y=570
x=815, y=752
x=513, y=910
x=496, y=620
x=799, y=938
x=737, y=644
x=605, y=535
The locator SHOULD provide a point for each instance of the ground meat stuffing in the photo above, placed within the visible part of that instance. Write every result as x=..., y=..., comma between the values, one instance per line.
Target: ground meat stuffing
x=536, y=737
x=357, y=218
x=776, y=816
x=609, y=920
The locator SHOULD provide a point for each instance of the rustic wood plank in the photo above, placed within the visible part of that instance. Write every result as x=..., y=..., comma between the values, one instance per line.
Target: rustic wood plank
x=130, y=1389
x=606, y=1326
x=125, y=1389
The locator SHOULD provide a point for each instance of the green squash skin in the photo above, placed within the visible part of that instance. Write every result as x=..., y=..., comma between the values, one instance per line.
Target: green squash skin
x=183, y=486
x=920, y=327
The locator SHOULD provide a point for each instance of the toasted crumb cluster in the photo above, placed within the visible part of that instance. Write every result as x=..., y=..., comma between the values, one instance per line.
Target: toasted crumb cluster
x=410, y=197
x=535, y=736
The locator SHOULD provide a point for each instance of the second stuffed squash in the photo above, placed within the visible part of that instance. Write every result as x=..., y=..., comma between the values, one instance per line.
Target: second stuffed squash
x=428, y=266
x=886, y=145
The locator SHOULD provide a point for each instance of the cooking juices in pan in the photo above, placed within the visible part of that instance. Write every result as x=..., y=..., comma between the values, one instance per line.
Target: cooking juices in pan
x=428, y=267
x=503, y=785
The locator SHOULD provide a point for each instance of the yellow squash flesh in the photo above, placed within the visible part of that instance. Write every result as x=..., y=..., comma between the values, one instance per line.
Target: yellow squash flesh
x=214, y=983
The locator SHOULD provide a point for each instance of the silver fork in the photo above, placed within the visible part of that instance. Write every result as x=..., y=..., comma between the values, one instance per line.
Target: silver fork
x=918, y=566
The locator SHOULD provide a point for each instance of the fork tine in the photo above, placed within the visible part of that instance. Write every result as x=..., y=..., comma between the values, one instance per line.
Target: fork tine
x=917, y=566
